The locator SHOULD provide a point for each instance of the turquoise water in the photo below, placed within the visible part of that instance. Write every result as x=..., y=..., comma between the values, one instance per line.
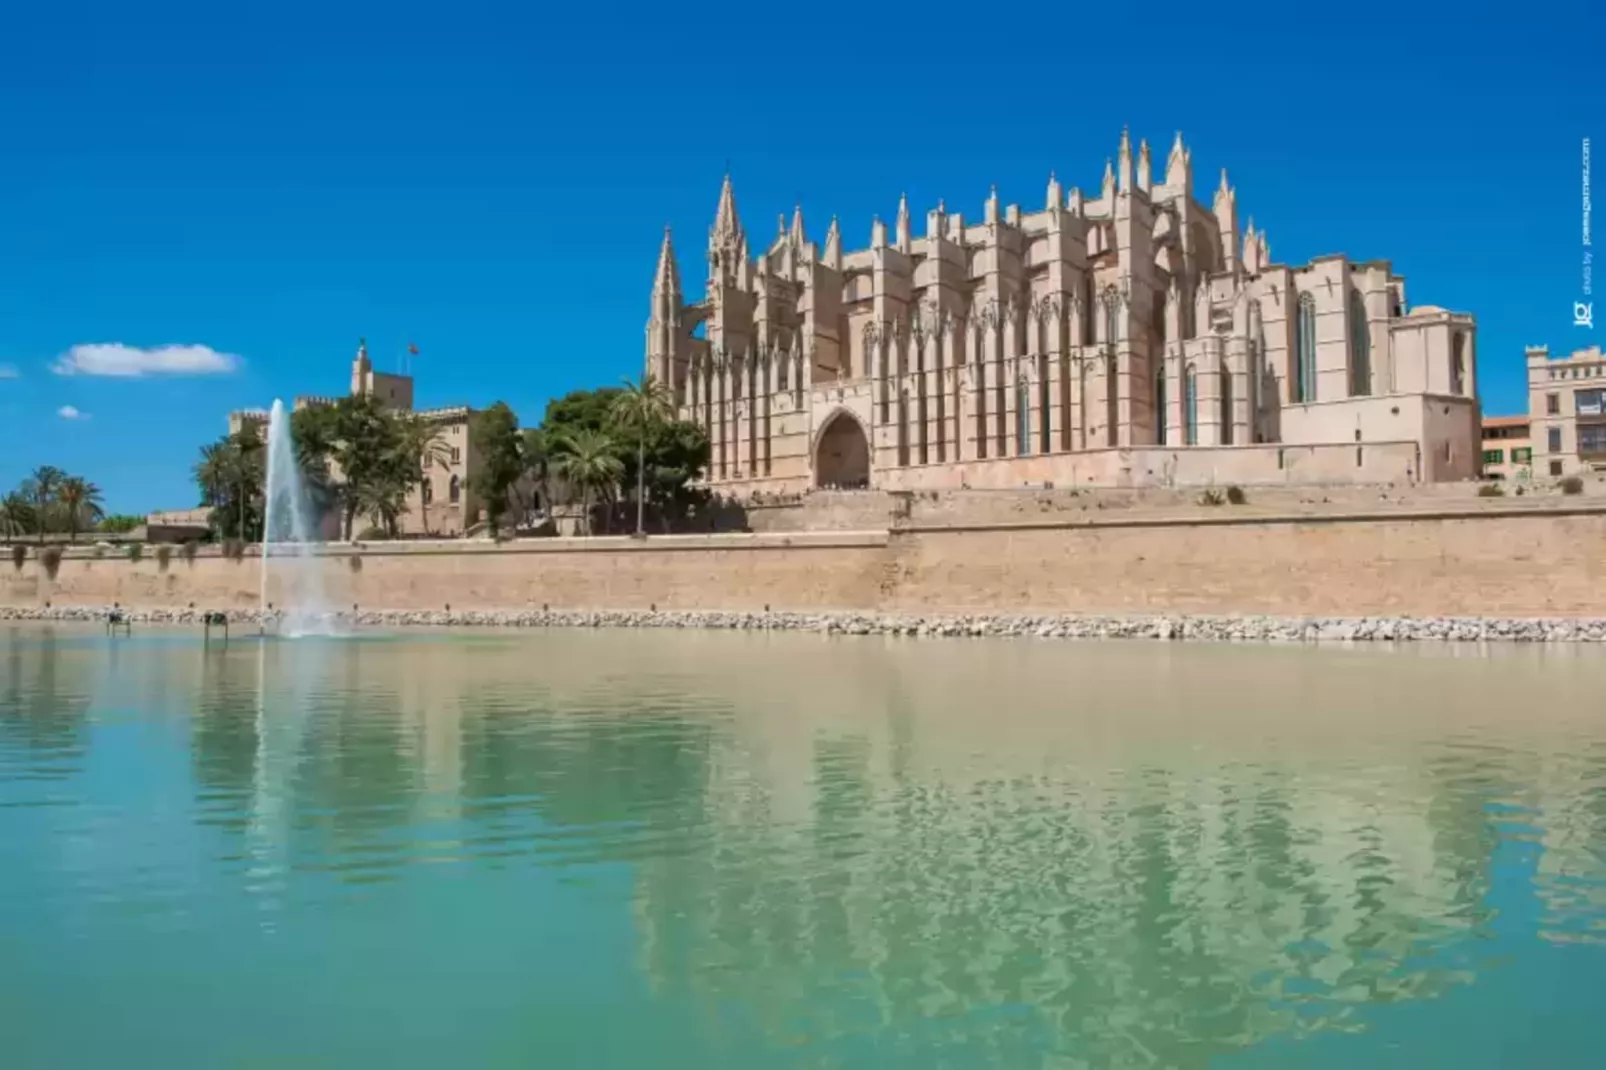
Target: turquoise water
x=690, y=850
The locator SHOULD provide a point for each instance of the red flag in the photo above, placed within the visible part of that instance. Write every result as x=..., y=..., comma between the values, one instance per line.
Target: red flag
x=412, y=347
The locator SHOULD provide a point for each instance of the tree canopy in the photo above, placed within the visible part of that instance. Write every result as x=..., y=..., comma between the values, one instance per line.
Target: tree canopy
x=658, y=454
x=51, y=501
x=498, y=450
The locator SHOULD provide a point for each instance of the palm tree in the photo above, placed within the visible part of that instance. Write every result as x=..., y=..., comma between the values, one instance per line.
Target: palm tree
x=81, y=502
x=638, y=410
x=231, y=468
x=42, y=487
x=586, y=461
x=16, y=514
x=424, y=448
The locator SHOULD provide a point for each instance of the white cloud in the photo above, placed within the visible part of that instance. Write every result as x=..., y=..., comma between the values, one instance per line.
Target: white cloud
x=9, y=371
x=67, y=412
x=132, y=362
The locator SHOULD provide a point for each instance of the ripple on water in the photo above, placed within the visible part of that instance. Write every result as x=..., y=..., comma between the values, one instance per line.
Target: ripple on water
x=859, y=852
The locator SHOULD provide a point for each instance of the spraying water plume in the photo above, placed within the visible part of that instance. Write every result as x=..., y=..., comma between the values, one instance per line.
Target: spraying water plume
x=288, y=534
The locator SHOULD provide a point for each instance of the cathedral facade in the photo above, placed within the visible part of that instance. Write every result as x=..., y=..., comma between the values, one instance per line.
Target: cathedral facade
x=1138, y=338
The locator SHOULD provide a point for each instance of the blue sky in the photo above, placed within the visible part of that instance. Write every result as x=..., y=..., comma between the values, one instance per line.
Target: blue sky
x=491, y=181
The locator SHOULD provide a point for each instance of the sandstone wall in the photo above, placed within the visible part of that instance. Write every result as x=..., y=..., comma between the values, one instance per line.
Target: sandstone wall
x=1536, y=562
x=840, y=570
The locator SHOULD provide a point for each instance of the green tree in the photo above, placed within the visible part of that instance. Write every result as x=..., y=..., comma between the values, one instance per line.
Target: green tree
x=637, y=412
x=498, y=451
x=16, y=514
x=588, y=462
x=581, y=410
x=366, y=445
x=423, y=444
x=536, y=451
x=230, y=477
x=677, y=457
x=41, y=488
x=119, y=523
x=81, y=504
x=311, y=428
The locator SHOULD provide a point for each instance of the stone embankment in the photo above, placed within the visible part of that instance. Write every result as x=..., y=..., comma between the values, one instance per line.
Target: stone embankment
x=992, y=625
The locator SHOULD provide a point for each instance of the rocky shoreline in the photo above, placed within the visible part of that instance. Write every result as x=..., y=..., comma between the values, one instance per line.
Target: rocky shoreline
x=1217, y=628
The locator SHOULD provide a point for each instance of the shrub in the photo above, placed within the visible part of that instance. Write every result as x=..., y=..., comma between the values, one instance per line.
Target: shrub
x=1236, y=495
x=19, y=554
x=1491, y=490
x=1572, y=485
x=234, y=549
x=50, y=558
x=1212, y=496
x=371, y=535
x=164, y=555
x=189, y=552
x=136, y=550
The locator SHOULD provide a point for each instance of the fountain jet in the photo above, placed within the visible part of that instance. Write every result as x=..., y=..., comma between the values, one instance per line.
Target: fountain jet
x=288, y=534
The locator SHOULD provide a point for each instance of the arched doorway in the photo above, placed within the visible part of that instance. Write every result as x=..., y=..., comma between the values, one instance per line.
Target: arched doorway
x=842, y=453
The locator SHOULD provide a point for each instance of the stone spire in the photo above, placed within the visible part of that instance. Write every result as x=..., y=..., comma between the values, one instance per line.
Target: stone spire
x=666, y=282
x=833, y=246
x=1145, y=166
x=990, y=213
x=1225, y=209
x=1056, y=199
x=1108, y=189
x=1074, y=202
x=798, y=237
x=878, y=233
x=1176, y=164
x=1124, y=162
x=727, y=230
x=1251, y=258
x=903, y=223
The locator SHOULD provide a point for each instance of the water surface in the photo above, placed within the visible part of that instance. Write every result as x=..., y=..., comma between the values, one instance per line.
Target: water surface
x=678, y=849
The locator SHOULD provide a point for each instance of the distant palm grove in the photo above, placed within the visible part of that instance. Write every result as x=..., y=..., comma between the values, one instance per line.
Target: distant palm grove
x=360, y=461
x=53, y=503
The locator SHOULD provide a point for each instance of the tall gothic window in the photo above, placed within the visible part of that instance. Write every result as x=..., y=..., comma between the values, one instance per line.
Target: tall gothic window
x=1112, y=403
x=1190, y=407
x=1458, y=364
x=1160, y=417
x=903, y=427
x=454, y=491
x=1305, y=351
x=1360, y=348
x=427, y=490
x=1226, y=407
x=1045, y=443
x=1023, y=417
x=1087, y=310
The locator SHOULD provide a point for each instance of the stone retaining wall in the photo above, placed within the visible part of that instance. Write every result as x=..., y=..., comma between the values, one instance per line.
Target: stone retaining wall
x=1509, y=564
